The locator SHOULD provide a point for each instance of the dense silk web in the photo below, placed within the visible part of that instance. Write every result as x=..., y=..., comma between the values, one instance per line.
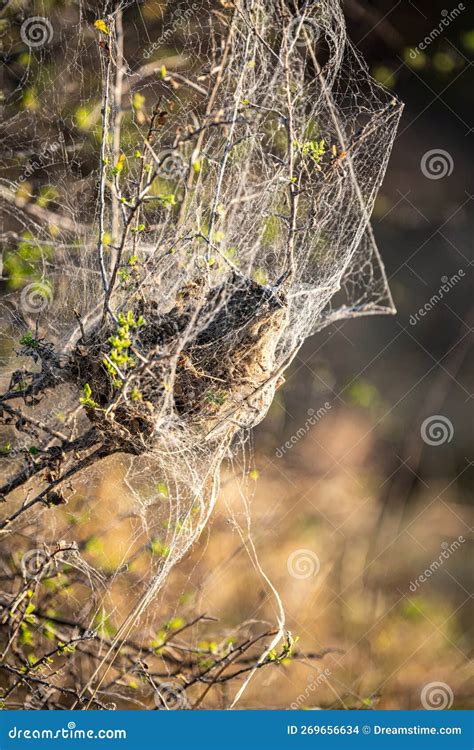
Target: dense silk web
x=210, y=190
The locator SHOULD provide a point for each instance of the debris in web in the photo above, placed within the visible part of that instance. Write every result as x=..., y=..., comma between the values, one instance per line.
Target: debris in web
x=177, y=258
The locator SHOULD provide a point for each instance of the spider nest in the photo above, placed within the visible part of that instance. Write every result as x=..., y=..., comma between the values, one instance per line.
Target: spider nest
x=207, y=363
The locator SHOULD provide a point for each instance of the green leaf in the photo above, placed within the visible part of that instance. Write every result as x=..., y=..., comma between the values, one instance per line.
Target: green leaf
x=101, y=26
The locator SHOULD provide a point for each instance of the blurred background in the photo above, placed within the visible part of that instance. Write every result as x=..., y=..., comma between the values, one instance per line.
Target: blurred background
x=364, y=498
x=361, y=476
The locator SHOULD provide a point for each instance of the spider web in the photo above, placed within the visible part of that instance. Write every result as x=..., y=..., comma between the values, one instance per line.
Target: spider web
x=271, y=142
